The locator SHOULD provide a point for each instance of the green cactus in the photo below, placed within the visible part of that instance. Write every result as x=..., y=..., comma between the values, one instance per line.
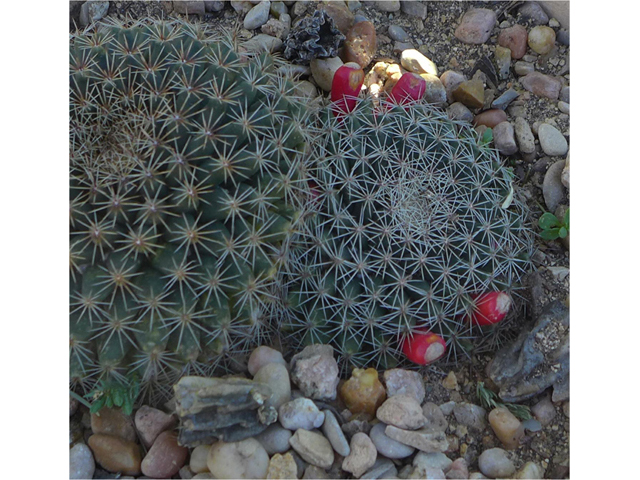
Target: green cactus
x=185, y=180
x=409, y=217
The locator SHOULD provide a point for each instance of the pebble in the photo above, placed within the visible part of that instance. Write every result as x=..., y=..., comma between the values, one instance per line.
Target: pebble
x=198, y=459
x=515, y=39
x=451, y=79
x=341, y=15
x=388, y=5
x=506, y=427
x=382, y=468
x=470, y=92
x=263, y=43
x=495, y=463
x=92, y=11
x=529, y=470
x=111, y=421
x=241, y=7
x=564, y=178
x=447, y=408
x=165, y=458
x=524, y=136
x=313, y=448
x=563, y=107
x=541, y=39
x=523, y=68
x=564, y=94
x=244, y=459
x=552, y=188
x=566, y=408
x=458, y=469
x=399, y=47
x=354, y=5
x=257, y=16
x=116, y=454
x=404, y=382
x=335, y=435
x=552, y=141
x=435, y=92
x=490, y=118
x=360, y=44
x=544, y=411
x=151, y=422
x=424, y=440
x=563, y=37
x=542, y=85
x=476, y=25
x=363, y=392
x=278, y=28
x=416, y=62
x=458, y=111
x=435, y=418
x=277, y=377
x=402, y=411
x=386, y=446
x=427, y=473
x=504, y=138
x=397, y=33
x=323, y=70
x=313, y=472
x=202, y=475
x=503, y=101
x=275, y=439
x=414, y=8
x=300, y=413
x=314, y=370
x=356, y=425
x=282, y=466
x=81, y=463
x=277, y=9
x=533, y=11
x=470, y=415
x=503, y=61
x=362, y=456
x=437, y=460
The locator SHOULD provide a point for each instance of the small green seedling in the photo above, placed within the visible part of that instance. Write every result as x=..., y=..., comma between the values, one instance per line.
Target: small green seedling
x=552, y=227
x=110, y=393
x=487, y=137
x=489, y=400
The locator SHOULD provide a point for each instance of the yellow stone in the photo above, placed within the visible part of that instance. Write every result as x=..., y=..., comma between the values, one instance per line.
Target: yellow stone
x=282, y=466
x=471, y=93
x=363, y=392
x=116, y=454
x=506, y=427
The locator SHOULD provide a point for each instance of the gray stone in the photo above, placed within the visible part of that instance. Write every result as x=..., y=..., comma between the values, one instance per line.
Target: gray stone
x=387, y=446
x=414, y=8
x=313, y=472
x=564, y=94
x=398, y=33
x=362, y=456
x=189, y=7
x=275, y=439
x=399, y=47
x=524, y=135
x=423, y=440
x=563, y=107
x=503, y=101
x=92, y=11
x=257, y=16
x=277, y=377
x=562, y=36
x=435, y=92
x=408, y=382
x=553, y=190
x=470, y=415
x=277, y=28
x=476, y=25
x=81, y=462
x=263, y=43
x=523, y=68
x=300, y=413
x=552, y=141
x=533, y=11
x=447, y=408
x=277, y=9
x=564, y=177
x=313, y=448
x=427, y=474
x=435, y=418
x=213, y=6
x=402, y=411
x=382, y=468
x=335, y=435
x=504, y=138
x=314, y=370
x=495, y=463
x=241, y=7
x=354, y=5
x=459, y=111
x=426, y=460
x=388, y=5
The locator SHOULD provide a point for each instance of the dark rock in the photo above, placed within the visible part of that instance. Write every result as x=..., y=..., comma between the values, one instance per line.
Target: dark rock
x=314, y=36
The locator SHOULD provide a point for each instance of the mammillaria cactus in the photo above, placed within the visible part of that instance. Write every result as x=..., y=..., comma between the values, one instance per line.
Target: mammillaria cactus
x=410, y=220
x=184, y=177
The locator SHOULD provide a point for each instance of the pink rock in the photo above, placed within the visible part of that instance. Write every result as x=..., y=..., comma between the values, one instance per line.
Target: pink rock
x=151, y=422
x=111, y=421
x=476, y=25
x=515, y=39
x=458, y=469
x=451, y=79
x=165, y=457
x=542, y=85
x=490, y=118
x=262, y=356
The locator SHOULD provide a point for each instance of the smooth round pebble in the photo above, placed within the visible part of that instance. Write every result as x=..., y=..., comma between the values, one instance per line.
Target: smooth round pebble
x=387, y=446
x=262, y=356
x=81, y=463
x=244, y=459
x=257, y=16
x=432, y=460
x=323, y=70
x=470, y=415
x=277, y=377
x=476, y=25
x=397, y=33
x=544, y=411
x=553, y=190
x=300, y=413
x=198, y=459
x=275, y=439
x=541, y=39
x=552, y=141
x=495, y=463
x=416, y=62
x=313, y=447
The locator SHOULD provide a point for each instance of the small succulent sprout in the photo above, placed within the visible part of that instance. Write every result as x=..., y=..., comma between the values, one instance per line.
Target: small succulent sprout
x=552, y=227
x=346, y=86
x=490, y=308
x=424, y=347
x=410, y=87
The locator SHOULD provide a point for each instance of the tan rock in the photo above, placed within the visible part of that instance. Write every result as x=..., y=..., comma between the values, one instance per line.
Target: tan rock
x=313, y=448
x=198, y=460
x=282, y=466
x=165, y=457
x=490, y=118
x=362, y=456
x=151, y=422
x=323, y=70
x=360, y=44
x=402, y=411
x=416, y=62
x=116, y=454
x=542, y=85
x=363, y=392
x=244, y=459
x=541, y=39
x=340, y=14
x=471, y=93
x=506, y=427
x=111, y=421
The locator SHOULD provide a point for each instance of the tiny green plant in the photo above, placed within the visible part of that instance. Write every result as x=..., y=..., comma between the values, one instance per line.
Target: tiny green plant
x=489, y=400
x=552, y=227
x=110, y=393
x=487, y=137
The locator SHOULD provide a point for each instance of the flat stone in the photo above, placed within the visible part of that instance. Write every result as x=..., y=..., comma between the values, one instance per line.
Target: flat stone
x=402, y=411
x=362, y=456
x=151, y=422
x=277, y=377
x=495, y=463
x=387, y=5
x=282, y=466
x=476, y=26
x=300, y=413
x=470, y=415
x=92, y=11
x=503, y=61
x=414, y=8
x=244, y=459
x=323, y=70
x=423, y=440
x=524, y=136
x=190, y=7
x=257, y=16
x=542, y=85
x=515, y=39
x=435, y=92
x=439, y=460
x=470, y=92
x=541, y=39
x=360, y=44
x=263, y=43
x=313, y=448
x=404, y=382
x=416, y=62
x=552, y=141
x=504, y=138
x=533, y=11
x=116, y=454
x=397, y=33
x=111, y=421
x=81, y=463
x=503, y=101
x=335, y=435
x=165, y=458
x=275, y=439
x=458, y=111
x=198, y=459
x=386, y=446
x=490, y=118
x=523, y=68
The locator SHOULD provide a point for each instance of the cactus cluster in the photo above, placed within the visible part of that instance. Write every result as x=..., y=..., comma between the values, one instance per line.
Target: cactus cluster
x=410, y=218
x=185, y=172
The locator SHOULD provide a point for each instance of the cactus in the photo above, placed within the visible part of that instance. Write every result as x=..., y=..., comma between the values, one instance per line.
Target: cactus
x=185, y=179
x=409, y=218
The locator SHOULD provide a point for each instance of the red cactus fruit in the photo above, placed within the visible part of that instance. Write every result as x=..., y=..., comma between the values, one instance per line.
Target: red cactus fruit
x=490, y=308
x=424, y=347
x=346, y=85
x=410, y=87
